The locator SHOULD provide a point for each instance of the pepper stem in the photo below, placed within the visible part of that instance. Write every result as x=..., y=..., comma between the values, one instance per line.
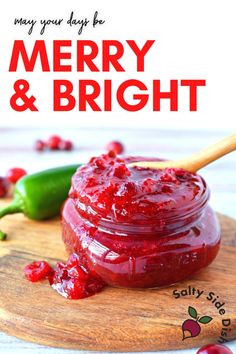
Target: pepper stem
x=13, y=208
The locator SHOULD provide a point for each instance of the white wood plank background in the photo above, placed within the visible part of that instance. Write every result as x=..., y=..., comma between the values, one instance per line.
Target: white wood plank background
x=16, y=150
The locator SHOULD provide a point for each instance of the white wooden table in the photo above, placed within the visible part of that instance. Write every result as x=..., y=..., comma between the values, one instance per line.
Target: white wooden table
x=16, y=150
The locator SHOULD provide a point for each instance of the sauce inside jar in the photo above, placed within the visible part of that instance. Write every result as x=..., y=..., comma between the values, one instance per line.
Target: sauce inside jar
x=139, y=227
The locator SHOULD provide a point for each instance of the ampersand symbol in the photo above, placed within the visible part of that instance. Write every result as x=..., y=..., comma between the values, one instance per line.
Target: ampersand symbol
x=21, y=87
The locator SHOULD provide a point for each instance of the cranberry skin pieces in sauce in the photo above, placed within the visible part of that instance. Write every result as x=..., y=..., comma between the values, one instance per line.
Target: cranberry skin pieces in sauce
x=139, y=227
x=69, y=279
x=73, y=282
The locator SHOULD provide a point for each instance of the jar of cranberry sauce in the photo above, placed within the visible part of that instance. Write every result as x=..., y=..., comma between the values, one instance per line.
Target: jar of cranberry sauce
x=139, y=227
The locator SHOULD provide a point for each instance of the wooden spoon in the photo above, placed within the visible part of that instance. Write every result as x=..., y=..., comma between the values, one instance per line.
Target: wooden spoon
x=198, y=160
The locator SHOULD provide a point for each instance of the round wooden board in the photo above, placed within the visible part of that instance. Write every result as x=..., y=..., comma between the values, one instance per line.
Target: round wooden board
x=115, y=319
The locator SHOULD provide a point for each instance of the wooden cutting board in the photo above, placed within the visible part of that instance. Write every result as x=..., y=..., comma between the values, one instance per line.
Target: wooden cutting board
x=115, y=319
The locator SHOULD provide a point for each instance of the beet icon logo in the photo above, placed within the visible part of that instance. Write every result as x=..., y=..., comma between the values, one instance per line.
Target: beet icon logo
x=191, y=328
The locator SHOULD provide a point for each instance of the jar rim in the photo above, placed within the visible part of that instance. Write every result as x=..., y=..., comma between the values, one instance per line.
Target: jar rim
x=175, y=218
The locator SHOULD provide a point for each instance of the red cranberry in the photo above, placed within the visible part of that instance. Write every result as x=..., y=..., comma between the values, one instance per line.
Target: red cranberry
x=214, y=349
x=54, y=142
x=37, y=270
x=14, y=174
x=66, y=145
x=40, y=145
x=4, y=187
x=116, y=147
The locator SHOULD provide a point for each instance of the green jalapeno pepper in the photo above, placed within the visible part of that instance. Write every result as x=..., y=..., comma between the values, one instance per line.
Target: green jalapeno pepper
x=40, y=195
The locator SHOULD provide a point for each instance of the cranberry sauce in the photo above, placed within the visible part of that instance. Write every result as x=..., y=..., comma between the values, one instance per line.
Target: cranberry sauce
x=69, y=279
x=139, y=227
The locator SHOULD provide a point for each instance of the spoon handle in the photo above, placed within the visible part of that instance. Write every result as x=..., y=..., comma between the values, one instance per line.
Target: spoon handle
x=204, y=157
x=198, y=160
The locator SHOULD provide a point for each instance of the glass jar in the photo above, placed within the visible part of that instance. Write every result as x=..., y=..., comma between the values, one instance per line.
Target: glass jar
x=141, y=251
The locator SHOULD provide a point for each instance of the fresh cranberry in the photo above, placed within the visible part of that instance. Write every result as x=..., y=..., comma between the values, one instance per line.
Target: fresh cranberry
x=214, y=349
x=37, y=270
x=4, y=187
x=14, y=174
x=40, y=145
x=66, y=145
x=54, y=142
x=116, y=147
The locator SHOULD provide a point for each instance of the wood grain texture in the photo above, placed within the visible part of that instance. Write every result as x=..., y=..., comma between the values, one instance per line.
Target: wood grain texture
x=115, y=319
